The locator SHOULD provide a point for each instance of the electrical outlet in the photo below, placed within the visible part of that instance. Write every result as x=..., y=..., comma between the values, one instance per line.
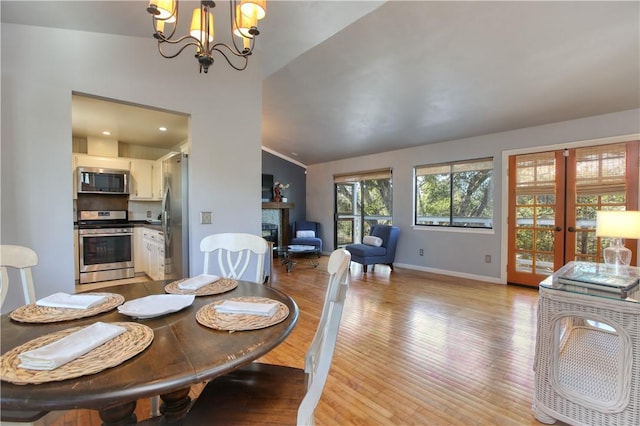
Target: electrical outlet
x=487, y=258
x=421, y=252
x=205, y=218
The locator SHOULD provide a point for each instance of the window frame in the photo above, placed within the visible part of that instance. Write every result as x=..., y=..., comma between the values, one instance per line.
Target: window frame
x=451, y=166
x=360, y=220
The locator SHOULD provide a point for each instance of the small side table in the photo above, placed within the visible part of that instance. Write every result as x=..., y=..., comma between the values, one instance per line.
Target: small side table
x=587, y=363
x=289, y=253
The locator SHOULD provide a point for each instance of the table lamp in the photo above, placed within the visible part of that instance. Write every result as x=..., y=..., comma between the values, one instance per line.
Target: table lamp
x=618, y=225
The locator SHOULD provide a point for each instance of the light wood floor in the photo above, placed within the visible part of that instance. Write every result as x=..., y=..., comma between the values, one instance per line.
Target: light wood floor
x=414, y=349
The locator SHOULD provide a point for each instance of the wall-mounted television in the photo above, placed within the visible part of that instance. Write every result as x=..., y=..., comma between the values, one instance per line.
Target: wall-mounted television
x=267, y=188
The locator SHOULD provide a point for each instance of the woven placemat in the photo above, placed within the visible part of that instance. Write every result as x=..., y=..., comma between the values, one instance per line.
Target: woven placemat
x=210, y=317
x=112, y=353
x=42, y=314
x=221, y=286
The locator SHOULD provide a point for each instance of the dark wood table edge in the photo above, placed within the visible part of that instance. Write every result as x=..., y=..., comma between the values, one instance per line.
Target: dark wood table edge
x=115, y=410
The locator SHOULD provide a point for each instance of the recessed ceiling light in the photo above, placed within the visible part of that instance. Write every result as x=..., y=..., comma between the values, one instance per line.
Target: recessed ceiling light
x=162, y=129
x=106, y=133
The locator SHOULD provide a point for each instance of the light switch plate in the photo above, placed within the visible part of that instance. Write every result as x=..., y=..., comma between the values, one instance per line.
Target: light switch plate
x=205, y=218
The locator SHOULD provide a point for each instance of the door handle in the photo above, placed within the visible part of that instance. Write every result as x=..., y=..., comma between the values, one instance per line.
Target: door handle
x=558, y=228
x=571, y=229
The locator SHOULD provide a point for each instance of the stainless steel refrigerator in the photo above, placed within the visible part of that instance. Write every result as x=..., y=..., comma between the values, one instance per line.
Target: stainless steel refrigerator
x=175, y=216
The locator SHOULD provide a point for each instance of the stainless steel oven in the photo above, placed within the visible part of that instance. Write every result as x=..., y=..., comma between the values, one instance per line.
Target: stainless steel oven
x=106, y=247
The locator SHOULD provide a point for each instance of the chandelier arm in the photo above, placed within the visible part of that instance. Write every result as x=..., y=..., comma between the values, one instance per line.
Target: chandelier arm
x=192, y=43
x=217, y=46
x=195, y=41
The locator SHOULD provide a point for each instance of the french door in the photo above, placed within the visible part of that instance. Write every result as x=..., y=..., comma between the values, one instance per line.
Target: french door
x=553, y=200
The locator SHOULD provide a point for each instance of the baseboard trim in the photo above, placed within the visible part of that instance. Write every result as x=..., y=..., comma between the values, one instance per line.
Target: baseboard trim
x=457, y=274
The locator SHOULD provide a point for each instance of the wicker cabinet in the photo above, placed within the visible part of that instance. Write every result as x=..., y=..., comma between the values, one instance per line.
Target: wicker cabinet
x=587, y=364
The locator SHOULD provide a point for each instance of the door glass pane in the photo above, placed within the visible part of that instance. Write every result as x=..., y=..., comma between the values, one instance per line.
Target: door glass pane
x=345, y=231
x=601, y=177
x=535, y=177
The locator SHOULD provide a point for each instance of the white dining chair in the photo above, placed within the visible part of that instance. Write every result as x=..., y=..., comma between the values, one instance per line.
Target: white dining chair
x=265, y=393
x=22, y=259
x=236, y=255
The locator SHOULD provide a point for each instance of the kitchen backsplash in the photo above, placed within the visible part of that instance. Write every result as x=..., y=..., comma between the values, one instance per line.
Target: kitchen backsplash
x=138, y=209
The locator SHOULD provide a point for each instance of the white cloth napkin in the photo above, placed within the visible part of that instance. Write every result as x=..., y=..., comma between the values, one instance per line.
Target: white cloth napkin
x=70, y=347
x=198, y=281
x=71, y=301
x=251, y=308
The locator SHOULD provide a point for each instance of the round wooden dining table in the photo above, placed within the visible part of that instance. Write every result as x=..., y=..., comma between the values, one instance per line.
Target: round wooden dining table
x=182, y=353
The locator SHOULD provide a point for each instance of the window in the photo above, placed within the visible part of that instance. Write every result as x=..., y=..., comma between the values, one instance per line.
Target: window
x=458, y=194
x=363, y=199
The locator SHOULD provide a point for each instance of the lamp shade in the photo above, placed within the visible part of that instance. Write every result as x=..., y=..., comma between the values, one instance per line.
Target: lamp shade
x=165, y=8
x=243, y=24
x=618, y=224
x=199, y=25
x=257, y=8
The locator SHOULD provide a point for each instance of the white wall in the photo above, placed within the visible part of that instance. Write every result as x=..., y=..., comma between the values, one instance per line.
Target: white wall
x=460, y=253
x=40, y=69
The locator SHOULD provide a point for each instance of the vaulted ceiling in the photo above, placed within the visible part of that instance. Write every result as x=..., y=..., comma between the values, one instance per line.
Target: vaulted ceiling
x=349, y=78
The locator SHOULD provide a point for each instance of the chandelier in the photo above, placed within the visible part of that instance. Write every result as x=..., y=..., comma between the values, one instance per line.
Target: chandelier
x=244, y=27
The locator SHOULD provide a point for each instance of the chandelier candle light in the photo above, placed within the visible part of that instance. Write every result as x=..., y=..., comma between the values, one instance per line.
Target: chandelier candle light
x=618, y=225
x=244, y=25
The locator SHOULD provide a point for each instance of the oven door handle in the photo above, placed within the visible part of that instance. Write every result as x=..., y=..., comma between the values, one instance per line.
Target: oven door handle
x=106, y=235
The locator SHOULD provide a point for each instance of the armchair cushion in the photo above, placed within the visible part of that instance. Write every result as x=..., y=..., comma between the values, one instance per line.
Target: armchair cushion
x=365, y=250
x=370, y=240
x=307, y=234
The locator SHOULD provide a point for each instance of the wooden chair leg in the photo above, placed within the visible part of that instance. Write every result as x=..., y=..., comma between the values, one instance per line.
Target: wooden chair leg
x=364, y=268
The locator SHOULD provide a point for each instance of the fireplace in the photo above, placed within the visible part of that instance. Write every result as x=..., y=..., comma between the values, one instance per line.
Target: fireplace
x=270, y=233
x=276, y=215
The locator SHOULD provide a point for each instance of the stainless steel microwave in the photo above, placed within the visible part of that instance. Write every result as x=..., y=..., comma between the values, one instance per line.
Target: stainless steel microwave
x=93, y=180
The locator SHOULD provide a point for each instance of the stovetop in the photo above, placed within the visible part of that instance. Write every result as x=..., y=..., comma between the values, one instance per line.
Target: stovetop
x=106, y=224
x=95, y=219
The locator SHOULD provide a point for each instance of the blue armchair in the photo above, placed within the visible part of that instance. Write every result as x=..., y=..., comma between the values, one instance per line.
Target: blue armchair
x=306, y=238
x=384, y=254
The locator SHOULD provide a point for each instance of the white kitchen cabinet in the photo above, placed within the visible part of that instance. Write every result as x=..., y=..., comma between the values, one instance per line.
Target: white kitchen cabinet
x=161, y=268
x=84, y=160
x=158, y=182
x=142, y=177
x=148, y=248
x=153, y=262
x=139, y=251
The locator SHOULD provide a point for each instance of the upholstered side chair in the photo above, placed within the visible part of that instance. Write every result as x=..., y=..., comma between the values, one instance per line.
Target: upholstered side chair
x=377, y=248
x=307, y=233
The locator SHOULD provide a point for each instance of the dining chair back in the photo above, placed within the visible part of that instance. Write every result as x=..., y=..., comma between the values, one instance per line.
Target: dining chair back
x=22, y=259
x=261, y=393
x=236, y=255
